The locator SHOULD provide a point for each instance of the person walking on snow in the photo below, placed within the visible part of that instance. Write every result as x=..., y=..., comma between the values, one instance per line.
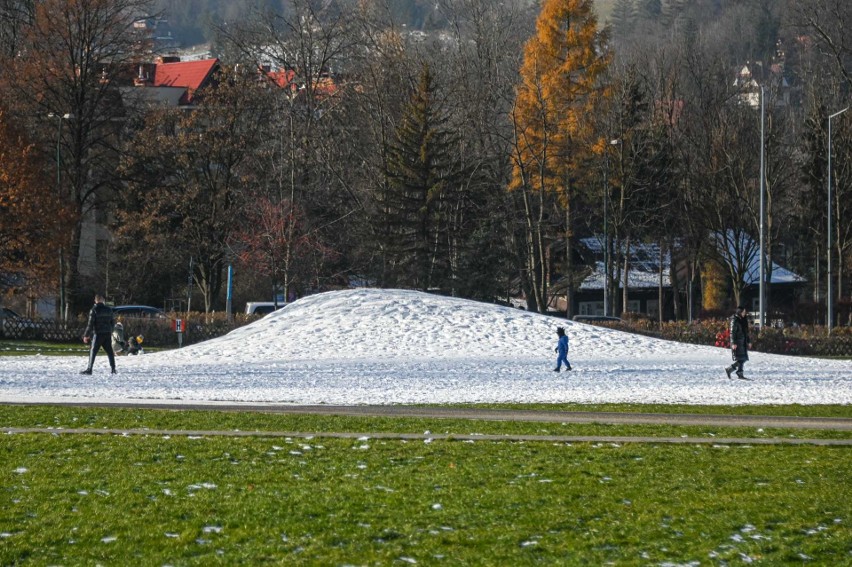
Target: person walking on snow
x=99, y=333
x=562, y=349
x=740, y=342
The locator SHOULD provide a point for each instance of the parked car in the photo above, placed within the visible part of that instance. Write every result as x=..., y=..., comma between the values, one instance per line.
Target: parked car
x=14, y=326
x=593, y=318
x=262, y=307
x=138, y=312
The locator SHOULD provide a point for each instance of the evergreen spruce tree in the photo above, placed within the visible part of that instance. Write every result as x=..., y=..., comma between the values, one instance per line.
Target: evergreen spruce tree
x=623, y=19
x=650, y=9
x=421, y=178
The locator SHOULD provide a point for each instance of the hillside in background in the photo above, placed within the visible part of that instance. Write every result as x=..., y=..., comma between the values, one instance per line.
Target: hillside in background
x=192, y=21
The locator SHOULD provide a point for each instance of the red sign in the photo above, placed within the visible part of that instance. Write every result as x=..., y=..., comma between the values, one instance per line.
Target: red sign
x=177, y=325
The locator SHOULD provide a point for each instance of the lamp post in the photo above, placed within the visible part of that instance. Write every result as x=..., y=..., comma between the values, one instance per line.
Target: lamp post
x=606, y=226
x=606, y=234
x=762, y=268
x=63, y=309
x=830, y=315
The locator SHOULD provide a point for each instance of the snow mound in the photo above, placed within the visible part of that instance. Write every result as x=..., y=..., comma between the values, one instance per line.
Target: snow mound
x=371, y=346
x=379, y=324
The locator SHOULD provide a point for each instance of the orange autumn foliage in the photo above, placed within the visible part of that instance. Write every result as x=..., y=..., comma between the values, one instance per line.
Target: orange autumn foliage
x=559, y=91
x=31, y=217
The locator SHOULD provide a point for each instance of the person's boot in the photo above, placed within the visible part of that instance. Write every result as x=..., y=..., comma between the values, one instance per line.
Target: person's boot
x=86, y=371
x=741, y=376
x=729, y=370
x=113, y=371
x=568, y=367
x=556, y=370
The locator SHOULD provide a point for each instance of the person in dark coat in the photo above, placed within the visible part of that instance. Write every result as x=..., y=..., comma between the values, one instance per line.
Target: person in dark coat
x=740, y=342
x=562, y=350
x=99, y=333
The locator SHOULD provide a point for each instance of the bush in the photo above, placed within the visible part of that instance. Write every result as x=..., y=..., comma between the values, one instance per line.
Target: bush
x=198, y=327
x=803, y=341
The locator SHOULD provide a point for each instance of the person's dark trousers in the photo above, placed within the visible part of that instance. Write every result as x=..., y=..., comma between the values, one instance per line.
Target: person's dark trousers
x=738, y=366
x=99, y=341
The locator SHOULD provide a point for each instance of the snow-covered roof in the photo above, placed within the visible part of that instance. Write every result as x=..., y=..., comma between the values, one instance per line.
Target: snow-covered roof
x=645, y=264
x=636, y=279
x=741, y=245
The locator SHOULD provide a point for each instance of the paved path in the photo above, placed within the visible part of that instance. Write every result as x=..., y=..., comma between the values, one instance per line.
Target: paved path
x=545, y=416
x=426, y=437
x=714, y=420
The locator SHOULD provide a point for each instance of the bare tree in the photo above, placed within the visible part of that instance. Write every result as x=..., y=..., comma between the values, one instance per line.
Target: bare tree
x=303, y=50
x=192, y=173
x=15, y=17
x=828, y=23
x=62, y=81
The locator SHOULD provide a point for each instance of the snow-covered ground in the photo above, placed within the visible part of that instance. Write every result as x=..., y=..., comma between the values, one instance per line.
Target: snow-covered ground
x=371, y=346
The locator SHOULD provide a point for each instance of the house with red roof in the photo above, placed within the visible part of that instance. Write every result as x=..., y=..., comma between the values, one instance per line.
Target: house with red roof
x=323, y=86
x=172, y=82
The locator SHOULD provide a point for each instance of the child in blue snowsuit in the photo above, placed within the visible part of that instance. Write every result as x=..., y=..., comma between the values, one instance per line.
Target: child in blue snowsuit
x=562, y=349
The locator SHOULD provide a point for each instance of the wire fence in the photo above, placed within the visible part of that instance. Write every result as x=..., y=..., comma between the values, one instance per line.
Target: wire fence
x=801, y=341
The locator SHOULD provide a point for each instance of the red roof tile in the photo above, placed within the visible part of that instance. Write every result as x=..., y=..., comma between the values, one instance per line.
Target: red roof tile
x=189, y=74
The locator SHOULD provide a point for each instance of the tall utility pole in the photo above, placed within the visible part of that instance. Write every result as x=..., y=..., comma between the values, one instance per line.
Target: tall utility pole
x=830, y=315
x=762, y=292
x=607, y=247
x=63, y=307
x=606, y=234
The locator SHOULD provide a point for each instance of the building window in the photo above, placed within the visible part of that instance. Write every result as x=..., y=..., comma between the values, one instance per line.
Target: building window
x=653, y=307
x=591, y=308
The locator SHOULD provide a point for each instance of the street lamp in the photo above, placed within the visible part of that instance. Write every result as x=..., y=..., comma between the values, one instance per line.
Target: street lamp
x=63, y=309
x=830, y=315
x=762, y=314
x=606, y=228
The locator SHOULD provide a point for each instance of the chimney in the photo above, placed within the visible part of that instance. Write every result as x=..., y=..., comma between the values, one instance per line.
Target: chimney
x=143, y=77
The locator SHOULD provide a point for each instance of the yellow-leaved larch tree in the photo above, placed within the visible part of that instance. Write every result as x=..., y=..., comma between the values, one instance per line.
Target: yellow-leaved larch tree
x=556, y=97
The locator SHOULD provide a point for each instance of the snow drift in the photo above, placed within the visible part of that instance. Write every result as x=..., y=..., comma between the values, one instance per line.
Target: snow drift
x=371, y=346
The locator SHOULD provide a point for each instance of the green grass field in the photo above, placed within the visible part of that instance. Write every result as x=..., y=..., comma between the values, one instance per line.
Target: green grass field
x=12, y=347
x=112, y=418
x=157, y=500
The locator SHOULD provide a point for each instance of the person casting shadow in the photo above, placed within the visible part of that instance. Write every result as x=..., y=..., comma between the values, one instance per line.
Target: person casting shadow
x=740, y=342
x=99, y=333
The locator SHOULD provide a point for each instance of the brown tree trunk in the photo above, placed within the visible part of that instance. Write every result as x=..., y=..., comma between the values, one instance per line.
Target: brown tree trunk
x=675, y=281
x=531, y=229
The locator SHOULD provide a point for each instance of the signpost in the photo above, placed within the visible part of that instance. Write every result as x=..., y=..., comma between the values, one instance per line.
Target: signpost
x=177, y=325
